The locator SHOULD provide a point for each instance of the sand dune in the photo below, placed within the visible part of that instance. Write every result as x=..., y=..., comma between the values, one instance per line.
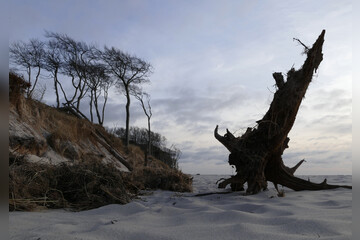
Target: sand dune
x=167, y=215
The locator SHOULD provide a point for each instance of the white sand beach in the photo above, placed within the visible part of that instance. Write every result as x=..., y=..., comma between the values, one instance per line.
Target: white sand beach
x=325, y=214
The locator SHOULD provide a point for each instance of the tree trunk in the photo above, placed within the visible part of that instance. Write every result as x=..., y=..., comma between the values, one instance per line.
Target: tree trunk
x=149, y=136
x=56, y=88
x=91, y=105
x=148, y=148
x=35, y=82
x=257, y=154
x=127, y=116
x=96, y=104
x=29, y=81
x=82, y=92
x=103, y=107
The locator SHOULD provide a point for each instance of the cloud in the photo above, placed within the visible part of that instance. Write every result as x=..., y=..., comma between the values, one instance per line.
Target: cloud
x=320, y=161
x=333, y=100
x=188, y=108
x=212, y=65
x=194, y=154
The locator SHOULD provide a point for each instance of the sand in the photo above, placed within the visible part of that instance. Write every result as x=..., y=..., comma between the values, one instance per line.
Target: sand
x=325, y=214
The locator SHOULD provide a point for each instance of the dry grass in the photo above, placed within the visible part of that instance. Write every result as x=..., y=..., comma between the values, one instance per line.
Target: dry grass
x=147, y=178
x=281, y=193
x=63, y=126
x=17, y=87
x=88, y=182
x=83, y=185
x=157, y=175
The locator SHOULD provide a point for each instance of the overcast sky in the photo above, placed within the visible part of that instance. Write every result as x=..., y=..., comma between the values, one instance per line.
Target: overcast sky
x=213, y=63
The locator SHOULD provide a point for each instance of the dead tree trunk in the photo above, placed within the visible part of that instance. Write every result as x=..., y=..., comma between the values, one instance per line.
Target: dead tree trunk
x=257, y=154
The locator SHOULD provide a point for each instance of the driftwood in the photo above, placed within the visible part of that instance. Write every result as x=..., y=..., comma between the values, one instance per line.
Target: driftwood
x=106, y=143
x=73, y=110
x=257, y=154
x=210, y=193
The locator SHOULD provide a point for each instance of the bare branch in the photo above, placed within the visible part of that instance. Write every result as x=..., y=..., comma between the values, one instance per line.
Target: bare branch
x=306, y=48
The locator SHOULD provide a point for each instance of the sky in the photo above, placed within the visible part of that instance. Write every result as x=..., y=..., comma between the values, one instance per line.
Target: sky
x=212, y=65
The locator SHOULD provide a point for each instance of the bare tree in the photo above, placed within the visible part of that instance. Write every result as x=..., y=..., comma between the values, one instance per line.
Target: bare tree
x=175, y=156
x=99, y=83
x=19, y=53
x=147, y=110
x=76, y=58
x=29, y=55
x=257, y=154
x=53, y=62
x=130, y=72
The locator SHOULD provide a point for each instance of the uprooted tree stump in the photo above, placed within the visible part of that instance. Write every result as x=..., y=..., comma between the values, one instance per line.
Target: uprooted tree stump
x=257, y=154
